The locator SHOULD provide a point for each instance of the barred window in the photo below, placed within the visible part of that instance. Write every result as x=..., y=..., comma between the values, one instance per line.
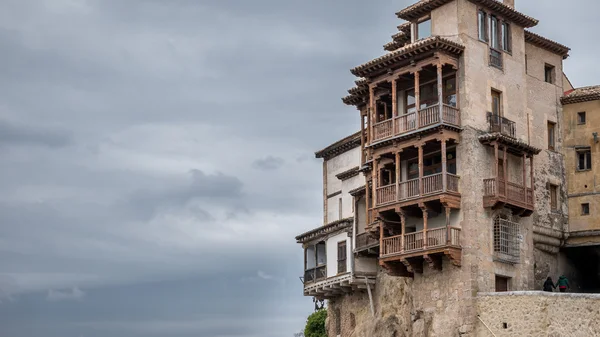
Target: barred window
x=506, y=240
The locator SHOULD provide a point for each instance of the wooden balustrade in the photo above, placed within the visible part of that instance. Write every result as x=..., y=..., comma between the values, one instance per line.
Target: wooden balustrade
x=383, y=129
x=406, y=123
x=429, y=116
x=315, y=274
x=391, y=245
x=451, y=115
x=436, y=238
x=409, y=189
x=452, y=182
x=386, y=194
x=415, y=120
x=432, y=183
x=513, y=193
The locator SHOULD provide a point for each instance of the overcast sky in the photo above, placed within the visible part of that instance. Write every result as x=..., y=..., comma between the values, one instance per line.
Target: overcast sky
x=157, y=156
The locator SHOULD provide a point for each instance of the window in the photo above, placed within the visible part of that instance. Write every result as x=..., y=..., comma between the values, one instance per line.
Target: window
x=482, y=18
x=551, y=135
x=449, y=91
x=341, y=215
x=494, y=32
x=496, y=103
x=581, y=117
x=321, y=254
x=506, y=37
x=501, y=283
x=424, y=29
x=584, y=159
x=549, y=73
x=585, y=209
x=506, y=240
x=525, y=63
x=553, y=198
x=341, y=253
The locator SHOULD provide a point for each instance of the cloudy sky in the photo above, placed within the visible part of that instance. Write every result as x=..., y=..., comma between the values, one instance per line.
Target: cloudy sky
x=157, y=155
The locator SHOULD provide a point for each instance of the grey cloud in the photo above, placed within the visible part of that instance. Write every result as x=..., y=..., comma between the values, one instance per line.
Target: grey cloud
x=268, y=163
x=11, y=133
x=74, y=294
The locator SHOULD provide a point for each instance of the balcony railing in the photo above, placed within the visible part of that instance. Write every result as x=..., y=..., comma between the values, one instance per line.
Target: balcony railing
x=410, y=189
x=365, y=241
x=315, y=274
x=416, y=120
x=512, y=193
x=496, y=58
x=413, y=242
x=500, y=124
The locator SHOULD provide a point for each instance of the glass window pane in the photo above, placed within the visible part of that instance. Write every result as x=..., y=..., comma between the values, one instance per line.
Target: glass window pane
x=589, y=160
x=494, y=32
x=321, y=254
x=581, y=165
x=482, y=23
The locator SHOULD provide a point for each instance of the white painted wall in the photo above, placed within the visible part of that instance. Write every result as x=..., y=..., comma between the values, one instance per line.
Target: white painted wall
x=332, y=244
x=337, y=165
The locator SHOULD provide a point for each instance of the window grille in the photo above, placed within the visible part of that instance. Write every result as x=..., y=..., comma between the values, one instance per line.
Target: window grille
x=506, y=240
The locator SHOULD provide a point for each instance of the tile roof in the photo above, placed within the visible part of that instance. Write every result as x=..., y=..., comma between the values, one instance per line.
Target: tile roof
x=325, y=230
x=514, y=146
x=421, y=8
x=383, y=62
x=583, y=94
x=545, y=43
x=339, y=147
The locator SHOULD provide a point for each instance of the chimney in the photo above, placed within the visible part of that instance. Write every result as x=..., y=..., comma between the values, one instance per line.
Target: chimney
x=509, y=3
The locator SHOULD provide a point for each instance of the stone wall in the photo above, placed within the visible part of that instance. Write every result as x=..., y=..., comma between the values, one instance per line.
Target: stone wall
x=538, y=314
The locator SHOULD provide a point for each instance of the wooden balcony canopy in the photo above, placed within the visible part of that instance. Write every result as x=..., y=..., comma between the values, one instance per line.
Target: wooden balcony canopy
x=514, y=146
x=332, y=227
x=404, y=55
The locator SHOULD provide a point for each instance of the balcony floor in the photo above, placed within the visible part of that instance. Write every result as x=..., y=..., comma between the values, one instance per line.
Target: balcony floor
x=339, y=285
x=408, y=263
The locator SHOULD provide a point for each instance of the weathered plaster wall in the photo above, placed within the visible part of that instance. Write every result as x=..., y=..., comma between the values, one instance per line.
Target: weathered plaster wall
x=337, y=165
x=538, y=314
x=332, y=254
x=584, y=186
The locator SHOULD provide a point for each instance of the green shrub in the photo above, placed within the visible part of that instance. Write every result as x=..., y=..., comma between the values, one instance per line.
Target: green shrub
x=315, y=324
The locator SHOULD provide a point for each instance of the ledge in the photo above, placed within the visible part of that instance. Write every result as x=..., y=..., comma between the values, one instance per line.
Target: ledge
x=324, y=230
x=540, y=293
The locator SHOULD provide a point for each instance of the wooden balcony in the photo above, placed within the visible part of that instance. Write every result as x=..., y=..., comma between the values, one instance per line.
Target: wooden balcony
x=415, y=121
x=502, y=125
x=315, y=274
x=365, y=243
x=412, y=248
x=411, y=189
x=501, y=193
x=338, y=285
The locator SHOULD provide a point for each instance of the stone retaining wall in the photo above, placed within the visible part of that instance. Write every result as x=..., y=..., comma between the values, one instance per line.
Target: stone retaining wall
x=535, y=313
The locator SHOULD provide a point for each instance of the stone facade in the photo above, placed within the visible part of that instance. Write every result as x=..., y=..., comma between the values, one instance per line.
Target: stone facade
x=443, y=292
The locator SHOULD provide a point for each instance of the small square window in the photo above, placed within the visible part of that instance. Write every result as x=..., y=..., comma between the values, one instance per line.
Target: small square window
x=585, y=209
x=549, y=73
x=581, y=117
x=553, y=197
x=584, y=159
x=551, y=135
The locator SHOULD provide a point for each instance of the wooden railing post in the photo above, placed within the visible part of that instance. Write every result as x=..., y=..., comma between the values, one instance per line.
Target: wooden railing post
x=398, y=175
x=448, y=233
x=417, y=100
x=425, y=216
x=505, y=166
x=403, y=222
x=420, y=150
x=372, y=113
x=375, y=178
x=444, y=168
x=496, y=171
x=440, y=91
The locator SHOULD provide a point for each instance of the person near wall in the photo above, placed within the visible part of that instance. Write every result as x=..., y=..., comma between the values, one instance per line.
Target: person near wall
x=549, y=284
x=563, y=283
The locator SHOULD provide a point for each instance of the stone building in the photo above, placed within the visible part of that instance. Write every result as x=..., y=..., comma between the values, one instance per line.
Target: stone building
x=581, y=139
x=465, y=162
